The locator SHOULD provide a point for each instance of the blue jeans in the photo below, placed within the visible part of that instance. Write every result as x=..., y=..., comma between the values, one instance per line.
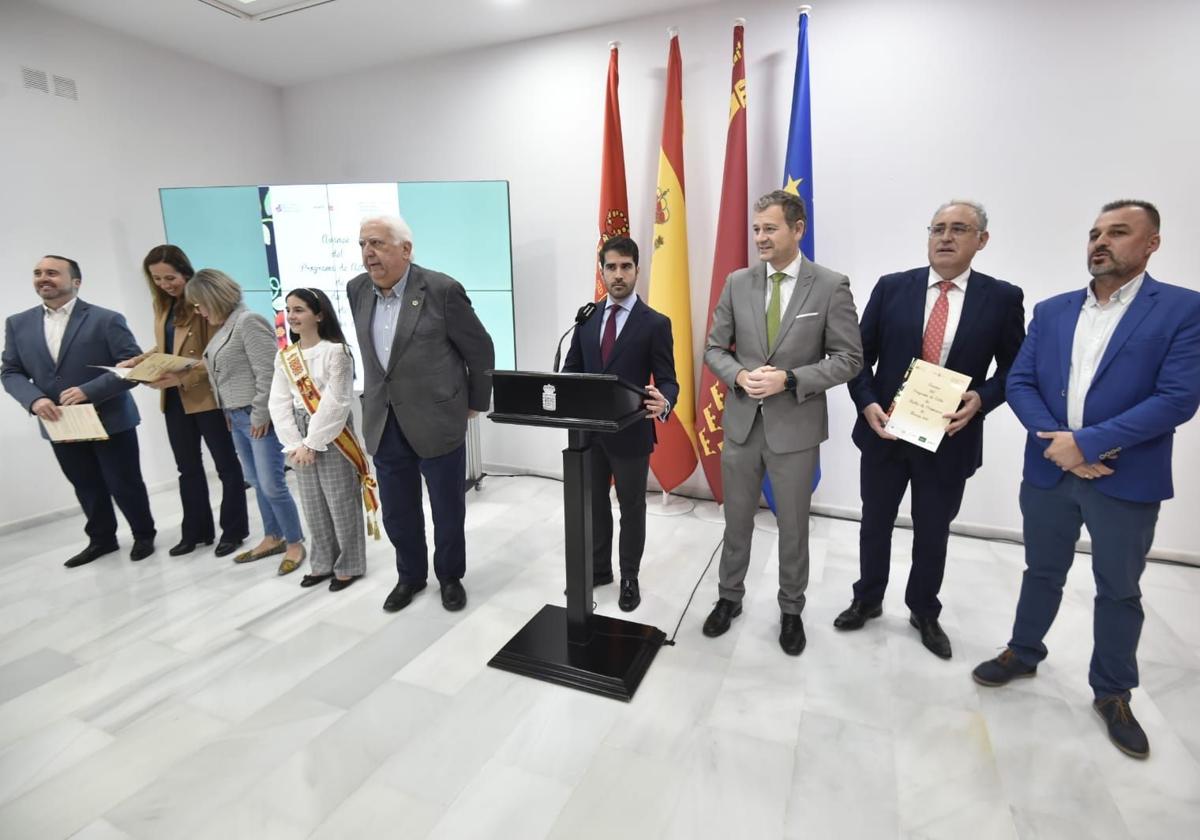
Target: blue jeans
x=1121, y=533
x=262, y=462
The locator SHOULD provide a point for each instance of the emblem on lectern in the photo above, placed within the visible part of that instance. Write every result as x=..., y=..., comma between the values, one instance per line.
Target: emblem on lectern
x=549, y=398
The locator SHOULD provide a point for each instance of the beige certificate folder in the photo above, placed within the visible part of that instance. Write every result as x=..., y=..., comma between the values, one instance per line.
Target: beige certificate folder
x=78, y=422
x=155, y=366
x=927, y=392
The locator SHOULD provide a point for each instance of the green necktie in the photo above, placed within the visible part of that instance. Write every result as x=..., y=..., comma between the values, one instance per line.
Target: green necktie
x=773, y=308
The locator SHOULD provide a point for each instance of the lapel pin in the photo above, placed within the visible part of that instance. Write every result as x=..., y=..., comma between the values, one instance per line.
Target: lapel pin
x=415, y=302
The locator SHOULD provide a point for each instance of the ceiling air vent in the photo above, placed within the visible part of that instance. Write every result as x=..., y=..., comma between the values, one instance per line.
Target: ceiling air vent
x=35, y=79
x=65, y=88
x=262, y=10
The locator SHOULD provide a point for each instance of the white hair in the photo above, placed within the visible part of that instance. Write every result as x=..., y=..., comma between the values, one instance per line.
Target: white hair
x=980, y=213
x=399, y=228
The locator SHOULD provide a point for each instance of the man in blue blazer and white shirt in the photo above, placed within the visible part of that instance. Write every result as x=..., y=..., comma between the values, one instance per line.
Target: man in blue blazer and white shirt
x=952, y=316
x=49, y=356
x=1103, y=380
x=625, y=337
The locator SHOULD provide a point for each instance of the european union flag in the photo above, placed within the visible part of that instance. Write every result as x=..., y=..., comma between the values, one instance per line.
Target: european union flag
x=797, y=172
x=797, y=167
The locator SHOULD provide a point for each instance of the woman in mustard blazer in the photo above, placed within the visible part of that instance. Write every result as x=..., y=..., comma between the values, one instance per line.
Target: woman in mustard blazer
x=191, y=409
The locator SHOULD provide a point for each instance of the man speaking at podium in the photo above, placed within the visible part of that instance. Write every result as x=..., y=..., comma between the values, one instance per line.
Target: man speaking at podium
x=624, y=337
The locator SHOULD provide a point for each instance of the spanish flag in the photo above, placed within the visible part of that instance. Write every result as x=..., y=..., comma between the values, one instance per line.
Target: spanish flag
x=732, y=253
x=614, y=200
x=674, y=459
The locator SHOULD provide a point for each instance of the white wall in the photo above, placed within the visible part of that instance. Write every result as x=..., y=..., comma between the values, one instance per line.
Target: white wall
x=82, y=178
x=1043, y=111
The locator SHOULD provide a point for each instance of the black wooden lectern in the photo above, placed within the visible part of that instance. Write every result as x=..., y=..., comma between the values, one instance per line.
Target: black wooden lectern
x=571, y=646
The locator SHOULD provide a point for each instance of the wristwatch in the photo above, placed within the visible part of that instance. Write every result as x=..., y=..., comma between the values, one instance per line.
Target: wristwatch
x=790, y=382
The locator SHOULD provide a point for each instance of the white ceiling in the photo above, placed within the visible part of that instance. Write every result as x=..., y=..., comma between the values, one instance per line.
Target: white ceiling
x=348, y=35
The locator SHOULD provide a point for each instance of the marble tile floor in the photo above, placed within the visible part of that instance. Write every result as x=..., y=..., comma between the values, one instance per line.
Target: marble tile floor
x=192, y=698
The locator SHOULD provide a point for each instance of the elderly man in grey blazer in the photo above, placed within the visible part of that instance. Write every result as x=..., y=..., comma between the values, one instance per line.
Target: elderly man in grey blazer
x=427, y=360
x=784, y=332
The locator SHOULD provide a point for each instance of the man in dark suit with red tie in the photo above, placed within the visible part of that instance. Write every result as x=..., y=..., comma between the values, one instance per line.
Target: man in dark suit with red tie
x=625, y=337
x=952, y=316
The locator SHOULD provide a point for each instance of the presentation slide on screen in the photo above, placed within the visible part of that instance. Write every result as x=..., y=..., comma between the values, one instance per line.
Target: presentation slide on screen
x=272, y=239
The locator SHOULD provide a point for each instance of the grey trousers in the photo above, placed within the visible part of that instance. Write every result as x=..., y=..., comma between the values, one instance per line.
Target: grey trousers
x=742, y=468
x=331, y=497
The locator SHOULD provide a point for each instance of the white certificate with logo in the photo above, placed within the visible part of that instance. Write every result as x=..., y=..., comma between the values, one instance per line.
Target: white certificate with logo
x=78, y=422
x=927, y=393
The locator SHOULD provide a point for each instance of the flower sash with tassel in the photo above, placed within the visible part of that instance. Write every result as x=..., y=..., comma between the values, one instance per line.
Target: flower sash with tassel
x=346, y=442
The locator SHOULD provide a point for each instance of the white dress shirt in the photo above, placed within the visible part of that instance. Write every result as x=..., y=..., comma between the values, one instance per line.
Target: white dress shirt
x=332, y=371
x=1094, y=329
x=55, y=323
x=955, y=296
x=786, y=286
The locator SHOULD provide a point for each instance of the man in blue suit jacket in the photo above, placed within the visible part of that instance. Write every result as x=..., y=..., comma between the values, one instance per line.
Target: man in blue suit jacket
x=49, y=354
x=960, y=319
x=1104, y=378
x=624, y=337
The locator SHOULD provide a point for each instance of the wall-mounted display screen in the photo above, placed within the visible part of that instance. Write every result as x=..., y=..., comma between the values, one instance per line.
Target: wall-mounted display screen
x=274, y=238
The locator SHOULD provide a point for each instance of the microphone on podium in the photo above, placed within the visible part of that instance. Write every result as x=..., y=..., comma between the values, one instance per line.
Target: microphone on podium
x=582, y=315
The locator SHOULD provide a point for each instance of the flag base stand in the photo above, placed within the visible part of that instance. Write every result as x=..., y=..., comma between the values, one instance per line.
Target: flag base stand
x=709, y=512
x=668, y=505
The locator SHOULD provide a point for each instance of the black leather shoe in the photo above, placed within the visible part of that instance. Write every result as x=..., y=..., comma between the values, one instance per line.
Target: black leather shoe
x=932, y=635
x=721, y=617
x=791, y=634
x=856, y=615
x=1124, y=731
x=338, y=584
x=454, y=597
x=90, y=553
x=1002, y=670
x=227, y=546
x=401, y=596
x=141, y=549
x=631, y=595
x=313, y=580
x=187, y=547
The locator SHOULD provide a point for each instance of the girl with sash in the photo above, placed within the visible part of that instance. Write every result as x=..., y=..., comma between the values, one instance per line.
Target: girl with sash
x=310, y=407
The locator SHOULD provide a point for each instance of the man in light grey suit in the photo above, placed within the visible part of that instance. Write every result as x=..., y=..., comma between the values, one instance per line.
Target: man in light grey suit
x=426, y=358
x=783, y=333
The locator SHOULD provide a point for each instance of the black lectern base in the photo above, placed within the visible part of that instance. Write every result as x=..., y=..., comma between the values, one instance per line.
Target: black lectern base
x=612, y=663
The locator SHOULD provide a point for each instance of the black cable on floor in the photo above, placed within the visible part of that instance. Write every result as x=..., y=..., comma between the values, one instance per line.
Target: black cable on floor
x=699, y=580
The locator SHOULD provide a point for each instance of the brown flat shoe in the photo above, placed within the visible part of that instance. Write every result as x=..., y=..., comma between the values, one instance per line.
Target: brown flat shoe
x=251, y=556
x=291, y=564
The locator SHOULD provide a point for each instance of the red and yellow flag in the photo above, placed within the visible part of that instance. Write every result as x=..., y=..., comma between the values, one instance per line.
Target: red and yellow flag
x=674, y=459
x=614, y=201
x=732, y=252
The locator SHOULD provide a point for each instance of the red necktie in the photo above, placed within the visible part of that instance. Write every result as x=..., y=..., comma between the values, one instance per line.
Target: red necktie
x=610, y=335
x=935, y=330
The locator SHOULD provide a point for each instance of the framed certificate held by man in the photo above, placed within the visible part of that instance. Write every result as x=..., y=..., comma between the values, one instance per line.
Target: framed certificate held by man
x=926, y=395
